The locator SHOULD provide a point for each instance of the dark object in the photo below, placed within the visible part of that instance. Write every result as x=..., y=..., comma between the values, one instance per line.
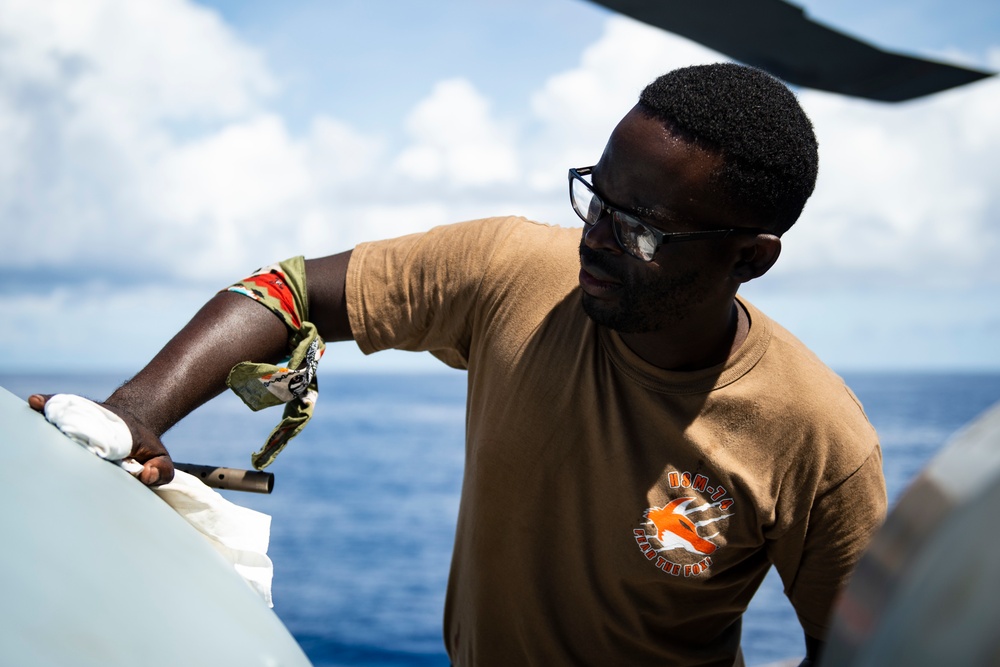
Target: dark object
x=231, y=479
x=779, y=38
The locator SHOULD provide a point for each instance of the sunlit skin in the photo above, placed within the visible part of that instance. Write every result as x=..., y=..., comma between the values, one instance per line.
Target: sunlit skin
x=677, y=312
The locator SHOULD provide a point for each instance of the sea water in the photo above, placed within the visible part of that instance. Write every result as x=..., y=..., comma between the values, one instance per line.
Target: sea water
x=364, y=505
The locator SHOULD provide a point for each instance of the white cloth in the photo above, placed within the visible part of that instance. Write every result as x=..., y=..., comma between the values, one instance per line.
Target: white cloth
x=239, y=534
x=99, y=430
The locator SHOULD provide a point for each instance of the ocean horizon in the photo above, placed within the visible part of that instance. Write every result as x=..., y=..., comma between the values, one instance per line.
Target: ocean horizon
x=358, y=589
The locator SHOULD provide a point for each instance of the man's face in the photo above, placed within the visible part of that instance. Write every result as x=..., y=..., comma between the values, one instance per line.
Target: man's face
x=649, y=172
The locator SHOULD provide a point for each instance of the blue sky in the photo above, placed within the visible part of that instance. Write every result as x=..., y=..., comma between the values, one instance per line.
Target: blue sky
x=156, y=151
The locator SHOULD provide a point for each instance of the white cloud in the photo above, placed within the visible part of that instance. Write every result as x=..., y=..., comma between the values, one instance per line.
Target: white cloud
x=907, y=192
x=456, y=140
x=901, y=186
x=94, y=95
x=219, y=196
x=577, y=109
x=129, y=62
x=338, y=155
x=144, y=140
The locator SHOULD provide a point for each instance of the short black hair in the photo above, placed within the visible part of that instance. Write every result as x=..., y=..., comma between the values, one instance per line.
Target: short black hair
x=769, y=150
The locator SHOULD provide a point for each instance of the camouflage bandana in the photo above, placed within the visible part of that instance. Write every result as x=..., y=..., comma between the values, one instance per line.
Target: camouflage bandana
x=282, y=289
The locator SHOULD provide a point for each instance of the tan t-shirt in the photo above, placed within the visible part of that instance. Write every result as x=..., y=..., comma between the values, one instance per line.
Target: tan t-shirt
x=614, y=513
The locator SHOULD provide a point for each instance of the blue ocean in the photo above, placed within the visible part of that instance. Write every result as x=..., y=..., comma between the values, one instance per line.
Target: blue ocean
x=365, y=500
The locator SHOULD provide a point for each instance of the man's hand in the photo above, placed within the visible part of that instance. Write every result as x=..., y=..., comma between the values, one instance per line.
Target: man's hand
x=147, y=449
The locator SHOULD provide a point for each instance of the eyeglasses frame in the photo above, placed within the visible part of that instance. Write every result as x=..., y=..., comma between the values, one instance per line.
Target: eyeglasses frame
x=661, y=238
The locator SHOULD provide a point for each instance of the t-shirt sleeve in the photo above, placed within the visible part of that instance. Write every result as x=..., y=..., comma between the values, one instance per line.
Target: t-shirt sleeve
x=420, y=292
x=816, y=556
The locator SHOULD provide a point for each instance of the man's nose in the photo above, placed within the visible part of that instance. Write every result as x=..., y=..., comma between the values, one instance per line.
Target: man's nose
x=601, y=235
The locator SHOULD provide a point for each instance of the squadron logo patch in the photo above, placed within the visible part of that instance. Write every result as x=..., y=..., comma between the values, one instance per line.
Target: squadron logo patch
x=681, y=536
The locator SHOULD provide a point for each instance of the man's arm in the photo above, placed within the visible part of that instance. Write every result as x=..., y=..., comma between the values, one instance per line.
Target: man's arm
x=192, y=368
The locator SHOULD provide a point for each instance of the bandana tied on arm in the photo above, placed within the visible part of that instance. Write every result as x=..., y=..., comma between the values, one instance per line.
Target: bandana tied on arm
x=281, y=288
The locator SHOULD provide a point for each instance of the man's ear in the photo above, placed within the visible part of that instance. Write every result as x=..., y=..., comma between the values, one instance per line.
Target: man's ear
x=757, y=255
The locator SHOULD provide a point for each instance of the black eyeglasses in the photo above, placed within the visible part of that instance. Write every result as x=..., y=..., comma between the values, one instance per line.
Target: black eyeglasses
x=633, y=235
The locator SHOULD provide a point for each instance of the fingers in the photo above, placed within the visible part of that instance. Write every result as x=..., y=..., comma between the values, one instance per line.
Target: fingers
x=147, y=449
x=37, y=401
x=157, y=471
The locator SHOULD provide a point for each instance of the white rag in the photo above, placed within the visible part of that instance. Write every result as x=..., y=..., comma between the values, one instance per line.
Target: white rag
x=239, y=534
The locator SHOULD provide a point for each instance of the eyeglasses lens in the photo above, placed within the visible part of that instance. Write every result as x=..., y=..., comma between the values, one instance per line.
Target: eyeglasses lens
x=586, y=203
x=634, y=236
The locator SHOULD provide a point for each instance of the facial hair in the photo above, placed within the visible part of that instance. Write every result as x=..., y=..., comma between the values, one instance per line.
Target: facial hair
x=647, y=300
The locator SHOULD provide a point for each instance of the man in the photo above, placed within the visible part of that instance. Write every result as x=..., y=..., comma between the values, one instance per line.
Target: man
x=642, y=445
